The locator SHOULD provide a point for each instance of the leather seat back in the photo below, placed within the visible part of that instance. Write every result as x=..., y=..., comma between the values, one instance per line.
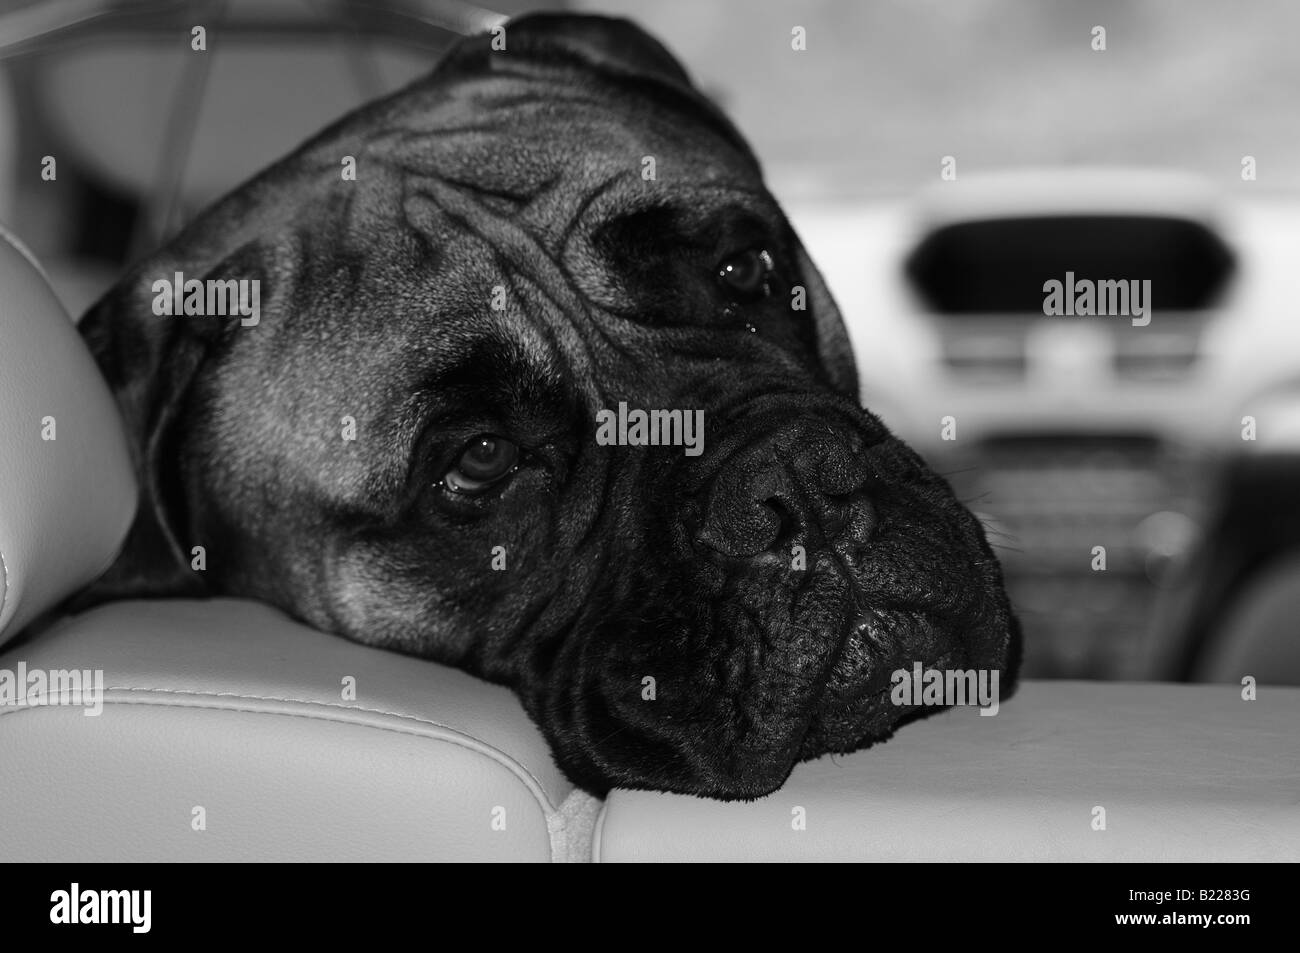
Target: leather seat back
x=67, y=488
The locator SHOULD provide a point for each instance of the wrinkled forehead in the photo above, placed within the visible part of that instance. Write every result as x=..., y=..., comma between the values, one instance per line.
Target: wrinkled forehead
x=518, y=174
x=493, y=186
x=514, y=138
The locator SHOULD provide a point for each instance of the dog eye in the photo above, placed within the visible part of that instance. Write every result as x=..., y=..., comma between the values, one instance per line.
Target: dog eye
x=747, y=274
x=485, y=460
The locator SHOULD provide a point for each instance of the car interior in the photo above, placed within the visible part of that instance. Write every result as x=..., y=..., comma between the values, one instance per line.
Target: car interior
x=1142, y=492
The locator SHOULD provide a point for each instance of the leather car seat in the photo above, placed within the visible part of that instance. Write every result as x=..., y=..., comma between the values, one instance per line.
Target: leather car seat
x=227, y=731
x=68, y=492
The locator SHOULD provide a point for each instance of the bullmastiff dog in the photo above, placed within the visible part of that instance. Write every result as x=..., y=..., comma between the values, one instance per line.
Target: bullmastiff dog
x=452, y=412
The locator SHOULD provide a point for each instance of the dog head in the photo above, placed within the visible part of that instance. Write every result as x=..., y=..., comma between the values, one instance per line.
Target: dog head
x=426, y=438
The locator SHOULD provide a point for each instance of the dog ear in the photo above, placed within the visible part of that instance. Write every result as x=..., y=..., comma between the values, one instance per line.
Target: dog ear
x=834, y=349
x=616, y=48
x=611, y=44
x=151, y=362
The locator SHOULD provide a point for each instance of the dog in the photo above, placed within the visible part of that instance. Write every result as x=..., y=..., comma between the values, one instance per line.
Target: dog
x=537, y=244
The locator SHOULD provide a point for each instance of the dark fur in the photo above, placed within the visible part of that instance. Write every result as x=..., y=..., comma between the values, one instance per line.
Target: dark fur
x=523, y=169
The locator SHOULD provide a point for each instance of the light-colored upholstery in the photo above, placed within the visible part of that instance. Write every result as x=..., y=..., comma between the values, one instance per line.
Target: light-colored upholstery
x=65, y=503
x=1184, y=772
x=231, y=707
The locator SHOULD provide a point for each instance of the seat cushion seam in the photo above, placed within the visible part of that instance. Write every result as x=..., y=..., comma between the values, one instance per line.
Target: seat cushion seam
x=275, y=698
x=455, y=735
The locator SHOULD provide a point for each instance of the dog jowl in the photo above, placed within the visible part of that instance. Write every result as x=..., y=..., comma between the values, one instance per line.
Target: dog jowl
x=499, y=272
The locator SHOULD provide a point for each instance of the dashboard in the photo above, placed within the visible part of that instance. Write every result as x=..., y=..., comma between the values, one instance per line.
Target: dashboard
x=1094, y=446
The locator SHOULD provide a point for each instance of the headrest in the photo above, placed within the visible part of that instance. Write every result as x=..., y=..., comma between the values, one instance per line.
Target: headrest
x=67, y=489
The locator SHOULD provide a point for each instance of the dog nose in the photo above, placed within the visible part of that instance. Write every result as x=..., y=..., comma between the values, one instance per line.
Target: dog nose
x=801, y=485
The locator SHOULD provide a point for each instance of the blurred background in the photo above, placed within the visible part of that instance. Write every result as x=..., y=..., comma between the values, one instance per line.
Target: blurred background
x=941, y=161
